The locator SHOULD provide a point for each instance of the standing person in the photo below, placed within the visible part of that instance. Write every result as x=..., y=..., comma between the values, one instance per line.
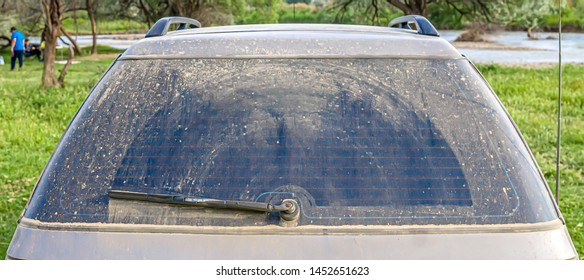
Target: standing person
x=16, y=48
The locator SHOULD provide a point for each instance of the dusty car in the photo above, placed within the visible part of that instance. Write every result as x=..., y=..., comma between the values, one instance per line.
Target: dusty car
x=292, y=142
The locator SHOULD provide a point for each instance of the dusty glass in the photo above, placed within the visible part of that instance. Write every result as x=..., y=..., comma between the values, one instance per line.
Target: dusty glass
x=355, y=141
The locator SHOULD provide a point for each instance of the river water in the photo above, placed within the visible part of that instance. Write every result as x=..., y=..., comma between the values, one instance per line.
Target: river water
x=572, y=47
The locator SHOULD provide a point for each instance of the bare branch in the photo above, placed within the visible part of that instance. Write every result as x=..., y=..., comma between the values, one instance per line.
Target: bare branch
x=61, y=79
x=341, y=8
x=375, y=18
x=64, y=32
x=400, y=5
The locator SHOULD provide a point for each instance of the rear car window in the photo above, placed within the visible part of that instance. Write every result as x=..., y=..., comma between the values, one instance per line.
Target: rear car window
x=355, y=141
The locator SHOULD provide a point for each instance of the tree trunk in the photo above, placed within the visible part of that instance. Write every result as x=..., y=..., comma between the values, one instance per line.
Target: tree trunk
x=73, y=41
x=48, y=79
x=531, y=35
x=91, y=8
x=66, y=67
x=52, y=13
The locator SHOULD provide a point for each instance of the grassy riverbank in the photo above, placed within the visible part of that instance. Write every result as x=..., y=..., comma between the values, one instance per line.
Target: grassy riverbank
x=530, y=96
x=32, y=121
x=82, y=25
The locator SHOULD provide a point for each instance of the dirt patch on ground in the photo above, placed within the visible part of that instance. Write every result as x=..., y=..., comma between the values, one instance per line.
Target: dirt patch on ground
x=125, y=37
x=533, y=65
x=491, y=46
x=97, y=56
x=472, y=35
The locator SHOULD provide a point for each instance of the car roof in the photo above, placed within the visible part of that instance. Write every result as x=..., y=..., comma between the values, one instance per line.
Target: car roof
x=292, y=41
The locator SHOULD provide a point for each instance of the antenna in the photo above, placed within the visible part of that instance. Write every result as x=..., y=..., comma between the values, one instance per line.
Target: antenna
x=559, y=132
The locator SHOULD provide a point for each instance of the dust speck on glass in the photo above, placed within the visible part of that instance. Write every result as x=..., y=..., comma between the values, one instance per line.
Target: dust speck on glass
x=355, y=141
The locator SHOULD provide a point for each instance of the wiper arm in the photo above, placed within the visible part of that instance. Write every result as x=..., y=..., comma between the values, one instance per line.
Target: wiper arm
x=287, y=208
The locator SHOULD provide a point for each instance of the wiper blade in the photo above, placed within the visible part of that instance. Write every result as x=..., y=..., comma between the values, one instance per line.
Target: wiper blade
x=287, y=206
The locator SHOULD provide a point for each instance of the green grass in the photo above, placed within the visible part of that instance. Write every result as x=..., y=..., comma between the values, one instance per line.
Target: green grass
x=118, y=26
x=32, y=121
x=101, y=49
x=530, y=96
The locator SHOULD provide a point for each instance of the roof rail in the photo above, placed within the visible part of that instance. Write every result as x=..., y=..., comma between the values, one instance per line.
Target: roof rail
x=423, y=25
x=160, y=28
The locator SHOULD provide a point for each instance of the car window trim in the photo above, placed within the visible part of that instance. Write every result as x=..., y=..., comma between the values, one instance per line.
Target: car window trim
x=299, y=230
x=293, y=56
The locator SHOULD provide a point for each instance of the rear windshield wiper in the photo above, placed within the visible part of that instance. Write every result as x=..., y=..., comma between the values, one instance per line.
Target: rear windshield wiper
x=288, y=209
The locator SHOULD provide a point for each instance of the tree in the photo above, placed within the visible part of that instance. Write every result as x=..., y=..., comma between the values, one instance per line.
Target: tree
x=5, y=8
x=71, y=40
x=52, y=13
x=153, y=9
x=524, y=13
x=208, y=12
x=258, y=11
x=420, y=7
x=30, y=16
x=52, y=16
x=91, y=6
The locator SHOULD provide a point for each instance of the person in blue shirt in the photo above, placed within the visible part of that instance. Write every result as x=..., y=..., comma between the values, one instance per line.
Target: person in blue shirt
x=16, y=48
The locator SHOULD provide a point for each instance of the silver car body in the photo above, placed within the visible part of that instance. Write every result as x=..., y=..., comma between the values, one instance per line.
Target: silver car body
x=51, y=239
